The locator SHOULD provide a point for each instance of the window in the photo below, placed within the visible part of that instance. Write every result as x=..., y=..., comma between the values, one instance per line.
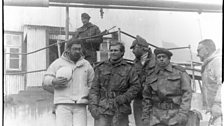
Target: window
x=13, y=45
x=104, y=49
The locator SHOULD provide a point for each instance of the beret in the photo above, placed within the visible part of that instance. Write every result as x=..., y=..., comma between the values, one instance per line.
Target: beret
x=162, y=50
x=139, y=41
x=85, y=15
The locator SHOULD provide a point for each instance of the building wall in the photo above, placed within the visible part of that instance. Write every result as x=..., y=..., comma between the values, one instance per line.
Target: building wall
x=36, y=39
x=13, y=84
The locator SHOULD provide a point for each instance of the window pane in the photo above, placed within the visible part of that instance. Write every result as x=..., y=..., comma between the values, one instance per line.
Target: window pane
x=14, y=64
x=12, y=39
x=7, y=39
x=104, y=46
x=16, y=40
x=14, y=50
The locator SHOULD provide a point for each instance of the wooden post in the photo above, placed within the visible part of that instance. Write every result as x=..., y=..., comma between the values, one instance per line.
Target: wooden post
x=67, y=26
x=119, y=34
x=192, y=66
x=59, y=48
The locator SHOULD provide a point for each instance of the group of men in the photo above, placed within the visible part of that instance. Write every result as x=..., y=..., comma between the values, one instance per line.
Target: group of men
x=161, y=91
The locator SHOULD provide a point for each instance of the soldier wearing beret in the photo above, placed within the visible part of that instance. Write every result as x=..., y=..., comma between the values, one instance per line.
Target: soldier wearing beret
x=91, y=45
x=167, y=93
x=114, y=87
x=144, y=65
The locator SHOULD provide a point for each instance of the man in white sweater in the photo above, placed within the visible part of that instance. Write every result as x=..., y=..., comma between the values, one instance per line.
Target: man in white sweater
x=71, y=76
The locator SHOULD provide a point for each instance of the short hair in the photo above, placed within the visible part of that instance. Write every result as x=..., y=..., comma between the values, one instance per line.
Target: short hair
x=209, y=44
x=74, y=41
x=115, y=42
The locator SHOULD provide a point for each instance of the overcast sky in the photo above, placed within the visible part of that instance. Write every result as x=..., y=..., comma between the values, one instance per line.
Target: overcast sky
x=157, y=27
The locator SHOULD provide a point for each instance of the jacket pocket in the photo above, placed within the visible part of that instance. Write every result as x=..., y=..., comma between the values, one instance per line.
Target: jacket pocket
x=152, y=83
x=105, y=76
x=173, y=84
x=120, y=80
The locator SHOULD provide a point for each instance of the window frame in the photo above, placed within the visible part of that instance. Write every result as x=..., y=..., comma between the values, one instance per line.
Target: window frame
x=11, y=46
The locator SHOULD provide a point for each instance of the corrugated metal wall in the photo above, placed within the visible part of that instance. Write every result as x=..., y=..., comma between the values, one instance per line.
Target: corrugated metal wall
x=36, y=39
x=13, y=84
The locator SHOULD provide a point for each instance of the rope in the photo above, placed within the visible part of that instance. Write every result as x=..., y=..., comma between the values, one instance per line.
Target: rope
x=136, y=38
x=25, y=72
x=96, y=36
x=178, y=48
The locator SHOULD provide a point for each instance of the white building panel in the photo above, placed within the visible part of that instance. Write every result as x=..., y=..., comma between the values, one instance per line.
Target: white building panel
x=36, y=39
x=13, y=84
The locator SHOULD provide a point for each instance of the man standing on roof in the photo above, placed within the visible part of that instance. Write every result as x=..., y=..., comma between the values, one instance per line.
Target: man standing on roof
x=211, y=79
x=144, y=65
x=91, y=45
x=115, y=85
x=167, y=93
x=71, y=77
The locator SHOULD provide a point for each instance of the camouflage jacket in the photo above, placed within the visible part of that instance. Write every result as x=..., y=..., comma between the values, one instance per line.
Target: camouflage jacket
x=89, y=30
x=144, y=71
x=113, y=88
x=171, y=85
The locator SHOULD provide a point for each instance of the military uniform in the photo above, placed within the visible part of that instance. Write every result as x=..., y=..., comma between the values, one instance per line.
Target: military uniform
x=167, y=96
x=144, y=67
x=90, y=45
x=142, y=71
x=113, y=88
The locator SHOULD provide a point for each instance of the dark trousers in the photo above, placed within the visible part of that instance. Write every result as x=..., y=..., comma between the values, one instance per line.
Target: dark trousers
x=91, y=56
x=117, y=120
x=137, y=109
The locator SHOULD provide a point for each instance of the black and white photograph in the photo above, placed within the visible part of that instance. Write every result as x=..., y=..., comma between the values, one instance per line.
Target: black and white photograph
x=112, y=63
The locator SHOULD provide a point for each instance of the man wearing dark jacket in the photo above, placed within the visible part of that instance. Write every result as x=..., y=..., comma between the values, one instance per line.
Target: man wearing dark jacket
x=144, y=64
x=167, y=93
x=91, y=45
x=114, y=86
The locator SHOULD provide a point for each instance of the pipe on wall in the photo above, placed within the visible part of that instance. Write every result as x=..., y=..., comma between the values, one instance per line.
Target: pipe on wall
x=27, y=3
x=161, y=5
x=175, y=4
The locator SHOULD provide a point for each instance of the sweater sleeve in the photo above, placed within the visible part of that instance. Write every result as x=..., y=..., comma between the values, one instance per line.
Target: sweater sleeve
x=49, y=75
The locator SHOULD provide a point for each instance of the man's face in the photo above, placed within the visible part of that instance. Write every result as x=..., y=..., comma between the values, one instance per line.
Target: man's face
x=202, y=52
x=162, y=60
x=115, y=52
x=75, y=52
x=137, y=51
x=85, y=20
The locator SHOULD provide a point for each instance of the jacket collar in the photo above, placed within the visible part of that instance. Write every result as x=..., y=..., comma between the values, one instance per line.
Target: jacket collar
x=149, y=60
x=167, y=68
x=87, y=25
x=65, y=56
x=215, y=54
x=117, y=63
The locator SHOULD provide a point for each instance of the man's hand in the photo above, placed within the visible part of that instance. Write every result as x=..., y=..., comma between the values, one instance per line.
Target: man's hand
x=216, y=110
x=146, y=122
x=179, y=118
x=60, y=82
x=95, y=113
x=120, y=99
